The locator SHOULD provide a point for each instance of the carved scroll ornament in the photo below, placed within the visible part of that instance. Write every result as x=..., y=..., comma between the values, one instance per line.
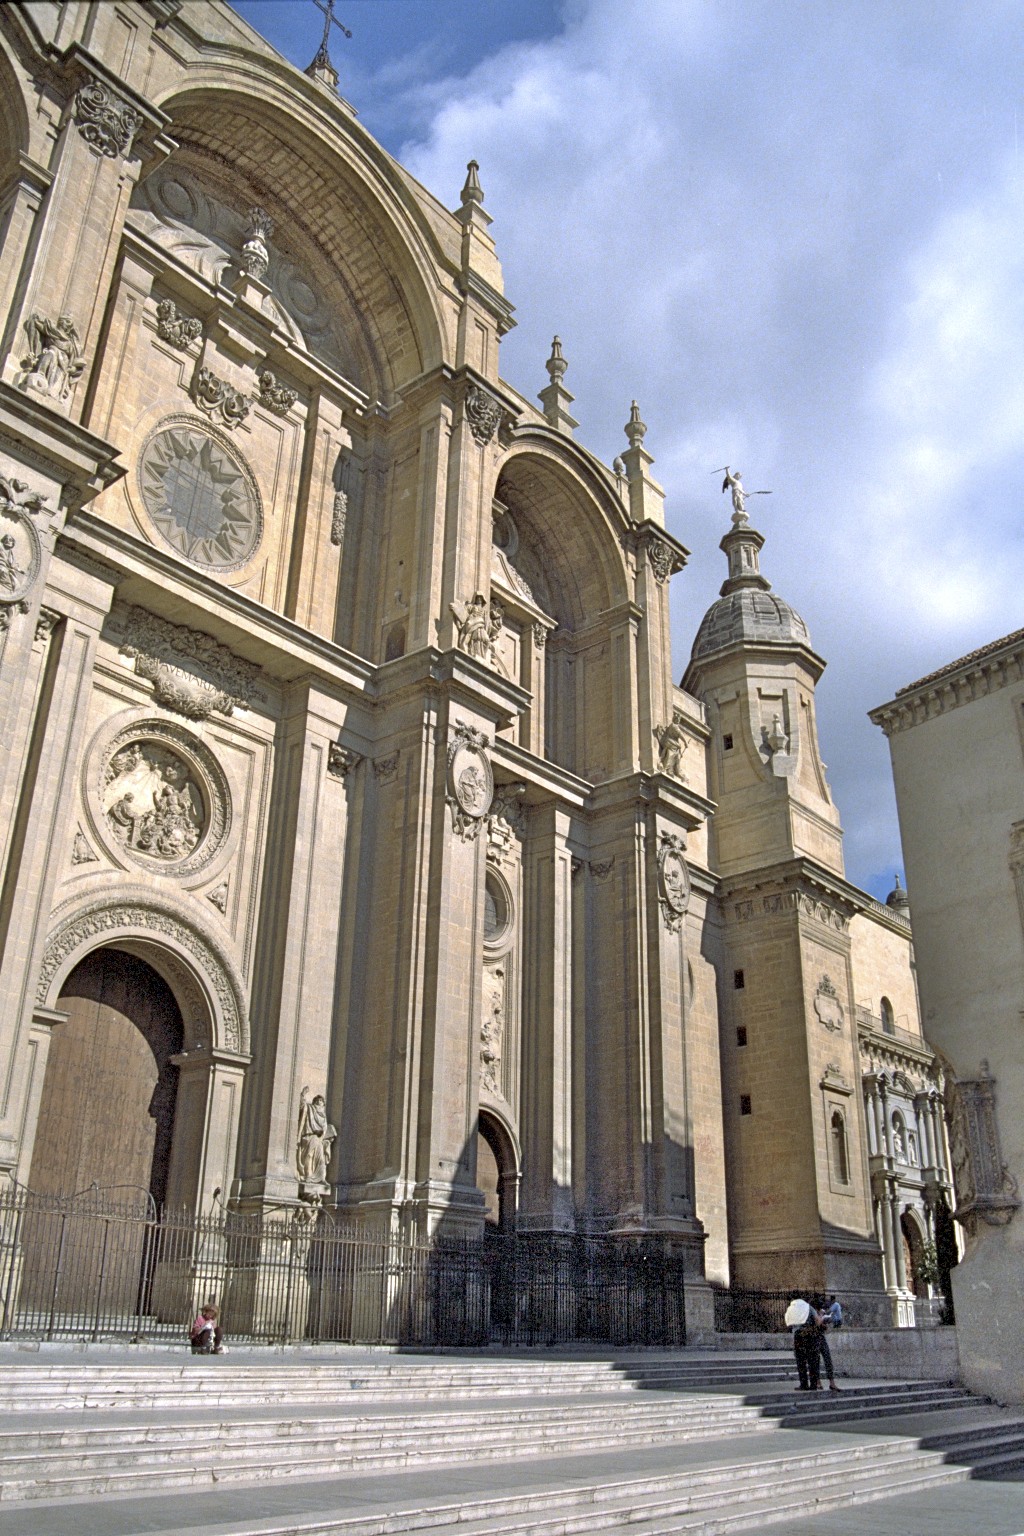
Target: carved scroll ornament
x=105, y=120
x=985, y=1189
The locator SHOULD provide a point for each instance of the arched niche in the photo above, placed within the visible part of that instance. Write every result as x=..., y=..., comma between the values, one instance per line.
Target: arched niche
x=498, y=1168
x=341, y=213
x=168, y=936
x=568, y=588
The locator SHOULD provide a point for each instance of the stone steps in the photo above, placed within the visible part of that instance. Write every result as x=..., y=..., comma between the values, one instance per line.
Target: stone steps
x=51, y=1462
x=214, y=1380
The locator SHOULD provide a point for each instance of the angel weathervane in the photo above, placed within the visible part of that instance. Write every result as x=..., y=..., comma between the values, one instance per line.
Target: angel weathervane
x=734, y=482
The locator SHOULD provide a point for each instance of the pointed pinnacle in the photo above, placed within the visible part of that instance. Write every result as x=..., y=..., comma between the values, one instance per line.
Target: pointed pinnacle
x=472, y=192
x=635, y=429
x=556, y=364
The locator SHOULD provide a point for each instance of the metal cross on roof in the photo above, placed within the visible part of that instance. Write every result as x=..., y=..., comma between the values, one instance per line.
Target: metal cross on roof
x=323, y=57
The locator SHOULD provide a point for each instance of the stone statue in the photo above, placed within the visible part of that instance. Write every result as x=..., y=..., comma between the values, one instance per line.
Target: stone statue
x=672, y=743
x=734, y=482
x=54, y=358
x=479, y=625
x=11, y=572
x=315, y=1140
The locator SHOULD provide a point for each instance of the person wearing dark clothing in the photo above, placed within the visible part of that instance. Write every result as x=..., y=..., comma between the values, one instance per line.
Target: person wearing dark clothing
x=804, y=1321
x=830, y=1316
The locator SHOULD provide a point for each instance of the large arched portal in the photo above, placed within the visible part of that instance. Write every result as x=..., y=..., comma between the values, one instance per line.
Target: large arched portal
x=103, y=1138
x=107, y=1113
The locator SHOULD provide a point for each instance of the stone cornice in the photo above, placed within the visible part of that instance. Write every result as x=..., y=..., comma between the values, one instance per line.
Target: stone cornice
x=973, y=677
x=656, y=790
x=799, y=886
x=86, y=462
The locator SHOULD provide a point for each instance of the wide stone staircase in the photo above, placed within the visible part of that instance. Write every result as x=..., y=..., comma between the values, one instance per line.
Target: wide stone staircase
x=311, y=1443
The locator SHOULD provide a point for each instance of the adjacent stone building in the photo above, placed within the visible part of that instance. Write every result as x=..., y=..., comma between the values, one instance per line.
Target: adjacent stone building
x=358, y=848
x=956, y=739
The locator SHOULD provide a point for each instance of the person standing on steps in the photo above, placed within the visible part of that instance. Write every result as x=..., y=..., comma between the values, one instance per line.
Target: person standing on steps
x=802, y=1318
x=828, y=1316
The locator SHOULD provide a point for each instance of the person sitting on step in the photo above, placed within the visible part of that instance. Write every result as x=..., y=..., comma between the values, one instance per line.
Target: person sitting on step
x=205, y=1333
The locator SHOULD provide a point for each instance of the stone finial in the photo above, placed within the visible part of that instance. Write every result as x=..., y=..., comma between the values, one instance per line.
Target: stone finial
x=556, y=364
x=473, y=192
x=255, y=255
x=635, y=429
x=554, y=397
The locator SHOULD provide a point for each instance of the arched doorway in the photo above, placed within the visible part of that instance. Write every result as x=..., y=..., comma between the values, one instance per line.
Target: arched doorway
x=103, y=1136
x=107, y=1111
x=913, y=1253
x=497, y=1172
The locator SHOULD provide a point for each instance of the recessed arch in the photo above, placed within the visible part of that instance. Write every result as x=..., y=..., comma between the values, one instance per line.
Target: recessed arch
x=334, y=198
x=497, y=1137
x=14, y=122
x=170, y=938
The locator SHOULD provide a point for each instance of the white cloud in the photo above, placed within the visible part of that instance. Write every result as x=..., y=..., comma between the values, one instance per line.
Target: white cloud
x=793, y=233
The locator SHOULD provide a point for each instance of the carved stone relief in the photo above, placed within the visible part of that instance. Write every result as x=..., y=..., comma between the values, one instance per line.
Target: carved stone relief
x=386, y=768
x=483, y=413
x=479, y=624
x=102, y=919
x=219, y=399
x=470, y=781
x=54, y=359
x=276, y=397
x=673, y=881
x=492, y=1028
x=341, y=760
x=162, y=799
x=106, y=121
x=178, y=329
x=219, y=896
x=661, y=558
x=202, y=225
x=985, y=1188
x=200, y=495
x=191, y=673
x=830, y=1011
x=20, y=549
x=82, y=850
x=255, y=260
x=506, y=822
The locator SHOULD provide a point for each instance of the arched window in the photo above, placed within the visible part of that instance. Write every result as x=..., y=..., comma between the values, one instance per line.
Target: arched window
x=840, y=1156
x=888, y=1017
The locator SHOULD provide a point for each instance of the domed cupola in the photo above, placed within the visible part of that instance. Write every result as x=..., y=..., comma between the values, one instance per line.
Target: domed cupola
x=747, y=612
x=898, y=899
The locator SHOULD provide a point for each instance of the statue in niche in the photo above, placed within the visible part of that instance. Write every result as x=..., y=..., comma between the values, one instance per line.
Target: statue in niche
x=54, y=358
x=315, y=1139
x=672, y=743
x=152, y=804
x=479, y=625
x=11, y=573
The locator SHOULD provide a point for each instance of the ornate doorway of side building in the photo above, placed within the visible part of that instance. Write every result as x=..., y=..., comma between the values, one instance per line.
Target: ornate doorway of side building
x=106, y=1122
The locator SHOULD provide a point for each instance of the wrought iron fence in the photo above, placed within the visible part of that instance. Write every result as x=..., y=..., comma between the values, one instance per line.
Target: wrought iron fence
x=92, y=1267
x=744, y=1311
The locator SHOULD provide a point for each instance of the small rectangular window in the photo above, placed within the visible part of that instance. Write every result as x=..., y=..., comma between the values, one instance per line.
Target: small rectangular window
x=741, y=1034
x=727, y=743
x=738, y=981
x=745, y=1108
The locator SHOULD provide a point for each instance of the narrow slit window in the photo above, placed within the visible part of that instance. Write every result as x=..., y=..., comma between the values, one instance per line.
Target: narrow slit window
x=745, y=1108
x=738, y=981
x=741, y=1034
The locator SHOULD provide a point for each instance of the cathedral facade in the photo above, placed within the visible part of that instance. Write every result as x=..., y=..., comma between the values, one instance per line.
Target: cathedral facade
x=359, y=849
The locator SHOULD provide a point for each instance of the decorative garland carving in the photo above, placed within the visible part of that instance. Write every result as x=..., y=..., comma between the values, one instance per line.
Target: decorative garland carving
x=483, y=413
x=218, y=398
x=104, y=918
x=180, y=330
x=191, y=673
x=339, y=517
x=105, y=120
x=386, y=768
x=276, y=397
x=470, y=780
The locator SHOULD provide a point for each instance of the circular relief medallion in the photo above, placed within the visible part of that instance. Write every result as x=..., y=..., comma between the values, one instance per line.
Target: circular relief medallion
x=19, y=555
x=470, y=780
x=675, y=879
x=163, y=798
x=200, y=495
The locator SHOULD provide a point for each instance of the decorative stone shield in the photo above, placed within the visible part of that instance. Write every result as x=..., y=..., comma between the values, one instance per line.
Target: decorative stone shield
x=673, y=881
x=827, y=1006
x=470, y=780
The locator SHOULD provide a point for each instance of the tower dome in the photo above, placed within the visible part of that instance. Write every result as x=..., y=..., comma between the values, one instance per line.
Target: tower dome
x=747, y=612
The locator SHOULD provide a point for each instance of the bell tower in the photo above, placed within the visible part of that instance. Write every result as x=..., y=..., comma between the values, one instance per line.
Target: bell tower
x=800, y=1211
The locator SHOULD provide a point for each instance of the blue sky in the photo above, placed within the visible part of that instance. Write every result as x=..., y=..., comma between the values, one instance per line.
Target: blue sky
x=793, y=231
